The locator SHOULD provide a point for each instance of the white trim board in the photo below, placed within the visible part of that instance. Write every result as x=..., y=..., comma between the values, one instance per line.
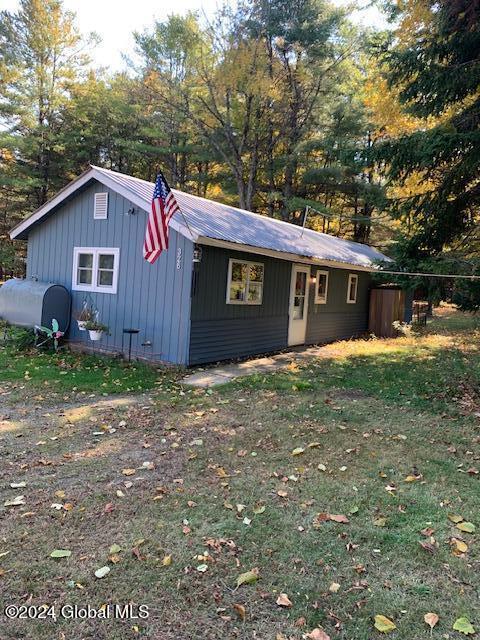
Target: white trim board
x=94, y=287
x=291, y=257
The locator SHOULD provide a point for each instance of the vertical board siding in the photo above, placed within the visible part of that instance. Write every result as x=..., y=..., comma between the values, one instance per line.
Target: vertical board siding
x=337, y=319
x=221, y=331
x=152, y=298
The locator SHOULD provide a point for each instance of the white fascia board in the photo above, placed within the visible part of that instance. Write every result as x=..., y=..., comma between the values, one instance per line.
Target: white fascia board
x=291, y=257
x=63, y=194
x=51, y=204
x=93, y=174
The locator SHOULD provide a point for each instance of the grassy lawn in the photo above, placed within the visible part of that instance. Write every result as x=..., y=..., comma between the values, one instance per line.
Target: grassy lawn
x=197, y=488
x=70, y=374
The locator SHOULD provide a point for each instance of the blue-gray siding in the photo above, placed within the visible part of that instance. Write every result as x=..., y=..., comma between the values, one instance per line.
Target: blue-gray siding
x=152, y=298
x=221, y=331
x=337, y=319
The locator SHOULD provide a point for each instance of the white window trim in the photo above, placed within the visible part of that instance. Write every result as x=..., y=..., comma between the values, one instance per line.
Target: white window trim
x=229, y=282
x=96, y=251
x=318, y=299
x=352, y=276
x=96, y=215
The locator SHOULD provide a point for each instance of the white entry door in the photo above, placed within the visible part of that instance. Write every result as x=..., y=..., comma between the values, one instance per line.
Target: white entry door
x=297, y=327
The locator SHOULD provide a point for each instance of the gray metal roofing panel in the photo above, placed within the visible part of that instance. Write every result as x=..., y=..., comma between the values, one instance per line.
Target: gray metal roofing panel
x=222, y=222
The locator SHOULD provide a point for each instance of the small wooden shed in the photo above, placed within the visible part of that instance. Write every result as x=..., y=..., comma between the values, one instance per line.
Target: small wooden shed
x=387, y=305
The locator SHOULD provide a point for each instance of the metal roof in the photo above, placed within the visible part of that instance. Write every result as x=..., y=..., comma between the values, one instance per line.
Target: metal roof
x=201, y=219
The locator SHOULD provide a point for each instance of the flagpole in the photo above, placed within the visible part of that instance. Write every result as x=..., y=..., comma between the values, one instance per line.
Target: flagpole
x=305, y=219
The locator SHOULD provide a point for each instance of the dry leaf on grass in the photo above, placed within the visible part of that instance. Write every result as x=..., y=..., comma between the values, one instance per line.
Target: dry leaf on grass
x=249, y=577
x=384, y=624
x=240, y=610
x=284, y=601
x=317, y=634
x=431, y=619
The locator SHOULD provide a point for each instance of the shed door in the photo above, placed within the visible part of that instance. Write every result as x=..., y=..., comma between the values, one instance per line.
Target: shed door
x=297, y=327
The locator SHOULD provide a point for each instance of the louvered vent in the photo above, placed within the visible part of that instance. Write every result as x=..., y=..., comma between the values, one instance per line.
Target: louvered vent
x=100, y=210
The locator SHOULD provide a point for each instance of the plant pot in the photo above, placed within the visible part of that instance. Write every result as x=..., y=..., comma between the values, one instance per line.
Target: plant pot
x=95, y=335
x=81, y=325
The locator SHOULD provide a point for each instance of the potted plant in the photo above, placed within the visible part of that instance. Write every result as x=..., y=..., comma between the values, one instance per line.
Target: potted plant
x=95, y=329
x=85, y=315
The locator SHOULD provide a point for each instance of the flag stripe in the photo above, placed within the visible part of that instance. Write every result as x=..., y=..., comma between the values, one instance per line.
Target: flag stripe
x=164, y=207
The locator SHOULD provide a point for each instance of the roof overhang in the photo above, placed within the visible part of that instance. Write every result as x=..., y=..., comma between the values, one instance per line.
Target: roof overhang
x=21, y=229
x=282, y=255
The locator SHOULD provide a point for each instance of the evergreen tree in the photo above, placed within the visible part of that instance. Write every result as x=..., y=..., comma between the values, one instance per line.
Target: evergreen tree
x=41, y=54
x=437, y=73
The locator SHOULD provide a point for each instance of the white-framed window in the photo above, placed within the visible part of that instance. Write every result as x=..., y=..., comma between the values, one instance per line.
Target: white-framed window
x=245, y=282
x=95, y=269
x=321, y=287
x=100, y=206
x=352, y=288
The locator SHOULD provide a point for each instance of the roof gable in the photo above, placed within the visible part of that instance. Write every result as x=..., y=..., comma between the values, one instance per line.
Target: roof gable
x=202, y=220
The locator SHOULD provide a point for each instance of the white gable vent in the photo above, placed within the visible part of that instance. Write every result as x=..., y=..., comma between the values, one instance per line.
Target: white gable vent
x=100, y=210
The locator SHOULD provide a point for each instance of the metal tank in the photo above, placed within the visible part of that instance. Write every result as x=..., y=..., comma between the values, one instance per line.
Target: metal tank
x=30, y=303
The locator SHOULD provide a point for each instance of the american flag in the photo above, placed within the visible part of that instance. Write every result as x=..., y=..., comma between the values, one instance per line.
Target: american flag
x=164, y=206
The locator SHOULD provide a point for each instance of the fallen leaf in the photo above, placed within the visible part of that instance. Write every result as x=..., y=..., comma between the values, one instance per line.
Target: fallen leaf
x=428, y=546
x=334, y=587
x=380, y=522
x=258, y=508
x=167, y=561
x=467, y=527
x=18, y=501
x=298, y=451
x=317, y=634
x=61, y=553
x=464, y=625
x=383, y=624
x=321, y=467
x=249, y=577
x=115, y=548
x=338, y=518
x=128, y=472
x=240, y=610
x=431, y=619
x=460, y=547
x=284, y=601
x=454, y=518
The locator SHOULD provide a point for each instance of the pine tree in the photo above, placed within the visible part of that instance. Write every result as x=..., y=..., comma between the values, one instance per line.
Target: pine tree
x=41, y=57
x=437, y=74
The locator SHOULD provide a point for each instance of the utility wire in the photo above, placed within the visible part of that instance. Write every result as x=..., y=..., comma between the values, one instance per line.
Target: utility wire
x=429, y=275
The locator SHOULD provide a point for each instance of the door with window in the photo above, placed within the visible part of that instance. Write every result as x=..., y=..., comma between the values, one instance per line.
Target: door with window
x=297, y=327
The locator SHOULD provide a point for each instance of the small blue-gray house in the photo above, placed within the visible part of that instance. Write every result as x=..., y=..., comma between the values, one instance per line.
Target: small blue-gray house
x=232, y=283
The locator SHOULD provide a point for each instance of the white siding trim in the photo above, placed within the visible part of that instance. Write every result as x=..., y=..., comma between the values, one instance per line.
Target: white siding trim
x=96, y=252
x=351, y=277
x=229, y=282
x=318, y=299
